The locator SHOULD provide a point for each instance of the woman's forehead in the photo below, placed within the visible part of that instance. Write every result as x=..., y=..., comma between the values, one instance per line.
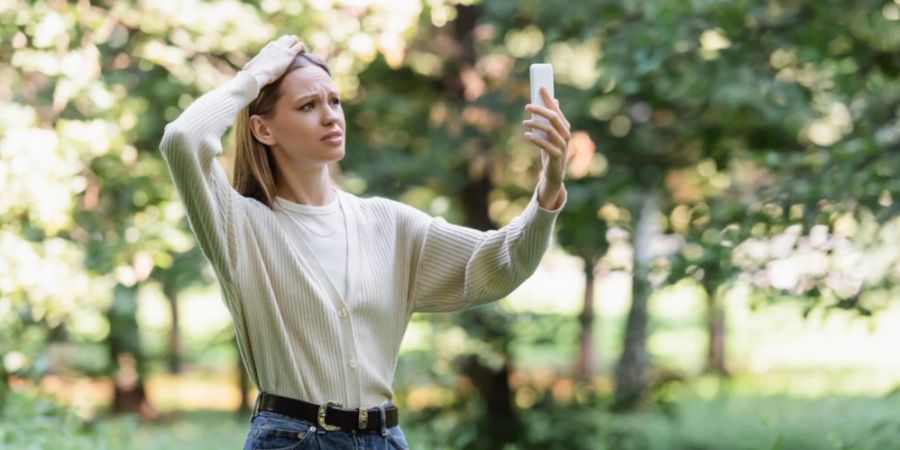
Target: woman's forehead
x=306, y=81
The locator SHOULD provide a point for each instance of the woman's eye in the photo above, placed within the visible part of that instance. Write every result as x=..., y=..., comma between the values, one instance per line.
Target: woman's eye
x=310, y=104
x=336, y=101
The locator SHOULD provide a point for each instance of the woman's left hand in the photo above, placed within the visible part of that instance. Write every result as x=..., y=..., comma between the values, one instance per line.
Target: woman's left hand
x=554, y=148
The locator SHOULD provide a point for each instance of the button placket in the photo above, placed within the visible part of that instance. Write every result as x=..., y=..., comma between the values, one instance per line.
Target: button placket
x=349, y=352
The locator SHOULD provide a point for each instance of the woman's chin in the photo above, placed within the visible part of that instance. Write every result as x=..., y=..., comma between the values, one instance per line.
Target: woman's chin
x=336, y=154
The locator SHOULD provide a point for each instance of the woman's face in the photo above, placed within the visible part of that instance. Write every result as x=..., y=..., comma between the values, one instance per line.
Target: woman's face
x=307, y=126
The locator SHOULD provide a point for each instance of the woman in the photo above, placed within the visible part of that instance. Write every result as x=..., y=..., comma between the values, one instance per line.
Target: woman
x=320, y=283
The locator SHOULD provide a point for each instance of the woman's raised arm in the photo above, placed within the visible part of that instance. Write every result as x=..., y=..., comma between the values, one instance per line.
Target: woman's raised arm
x=191, y=142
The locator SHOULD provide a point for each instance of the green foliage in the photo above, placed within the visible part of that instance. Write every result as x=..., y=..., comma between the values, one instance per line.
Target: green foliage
x=762, y=124
x=87, y=198
x=29, y=421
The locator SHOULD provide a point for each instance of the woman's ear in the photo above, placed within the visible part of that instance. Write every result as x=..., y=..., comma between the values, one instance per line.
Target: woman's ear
x=261, y=131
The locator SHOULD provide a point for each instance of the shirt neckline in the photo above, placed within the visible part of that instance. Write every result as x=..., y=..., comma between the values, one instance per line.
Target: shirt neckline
x=311, y=210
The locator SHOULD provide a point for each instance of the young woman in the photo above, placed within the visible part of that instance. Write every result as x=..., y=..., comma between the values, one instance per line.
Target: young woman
x=321, y=283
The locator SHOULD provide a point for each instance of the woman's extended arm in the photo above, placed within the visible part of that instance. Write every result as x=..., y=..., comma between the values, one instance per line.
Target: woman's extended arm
x=193, y=140
x=458, y=267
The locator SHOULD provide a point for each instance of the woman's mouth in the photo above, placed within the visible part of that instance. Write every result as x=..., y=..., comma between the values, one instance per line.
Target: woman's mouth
x=333, y=138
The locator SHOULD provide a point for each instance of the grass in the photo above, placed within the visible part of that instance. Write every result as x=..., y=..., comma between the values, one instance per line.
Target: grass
x=814, y=384
x=766, y=422
x=199, y=429
x=693, y=421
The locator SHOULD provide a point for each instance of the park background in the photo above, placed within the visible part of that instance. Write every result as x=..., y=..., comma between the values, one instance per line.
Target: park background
x=723, y=276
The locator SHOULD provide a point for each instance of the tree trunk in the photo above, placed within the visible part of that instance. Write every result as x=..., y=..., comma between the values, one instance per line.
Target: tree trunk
x=632, y=372
x=4, y=384
x=174, y=344
x=715, y=325
x=585, y=364
x=500, y=424
x=128, y=365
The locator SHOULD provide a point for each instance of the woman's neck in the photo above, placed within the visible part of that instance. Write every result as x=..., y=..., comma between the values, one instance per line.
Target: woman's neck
x=307, y=186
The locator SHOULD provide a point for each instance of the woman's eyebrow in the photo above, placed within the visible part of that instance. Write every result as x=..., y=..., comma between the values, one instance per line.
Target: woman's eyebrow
x=306, y=96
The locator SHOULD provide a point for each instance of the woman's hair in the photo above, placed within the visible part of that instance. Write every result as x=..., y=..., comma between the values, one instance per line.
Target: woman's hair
x=254, y=166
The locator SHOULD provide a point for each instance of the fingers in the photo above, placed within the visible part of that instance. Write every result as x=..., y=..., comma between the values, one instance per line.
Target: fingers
x=558, y=122
x=554, y=104
x=548, y=100
x=561, y=115
x=545, y=145
x=287, y=40
x=290, y=42
x=551, y=131
x=297, y=46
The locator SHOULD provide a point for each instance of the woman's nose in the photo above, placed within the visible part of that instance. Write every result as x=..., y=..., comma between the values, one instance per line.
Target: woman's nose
x=330, y=114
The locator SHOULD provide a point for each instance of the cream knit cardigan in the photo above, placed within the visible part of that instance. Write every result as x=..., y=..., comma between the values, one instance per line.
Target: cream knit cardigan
x=297, y=337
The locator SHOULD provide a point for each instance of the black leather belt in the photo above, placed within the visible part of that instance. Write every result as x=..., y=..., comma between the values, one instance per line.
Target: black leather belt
x=329, y=416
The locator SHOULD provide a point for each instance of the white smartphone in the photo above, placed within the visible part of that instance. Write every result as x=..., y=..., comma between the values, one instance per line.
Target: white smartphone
x=541, y=75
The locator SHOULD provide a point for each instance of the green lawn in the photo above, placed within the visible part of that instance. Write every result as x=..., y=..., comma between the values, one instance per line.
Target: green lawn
x=829, y=382
x=691, y=422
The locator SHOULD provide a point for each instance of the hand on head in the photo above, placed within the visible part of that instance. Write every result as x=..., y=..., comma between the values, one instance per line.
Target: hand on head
x=273, y=59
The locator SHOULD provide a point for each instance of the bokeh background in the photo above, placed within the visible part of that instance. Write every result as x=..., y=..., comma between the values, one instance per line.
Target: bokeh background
x=724, y=275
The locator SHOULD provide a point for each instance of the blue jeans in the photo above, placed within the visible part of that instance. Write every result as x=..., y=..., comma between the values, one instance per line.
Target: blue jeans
x=270, y=430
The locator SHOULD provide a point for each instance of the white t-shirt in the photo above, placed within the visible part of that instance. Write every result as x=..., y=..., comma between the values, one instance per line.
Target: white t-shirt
x=322, y=228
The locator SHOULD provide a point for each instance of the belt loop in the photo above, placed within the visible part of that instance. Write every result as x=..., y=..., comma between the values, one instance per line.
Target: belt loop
x=383, y=417
x=363, y=419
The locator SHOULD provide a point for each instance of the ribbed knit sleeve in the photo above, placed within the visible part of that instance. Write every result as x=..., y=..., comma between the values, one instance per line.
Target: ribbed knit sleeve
x=189, y=146
x=459, y=267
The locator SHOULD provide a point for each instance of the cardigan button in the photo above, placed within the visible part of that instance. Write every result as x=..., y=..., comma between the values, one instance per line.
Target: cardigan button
x=353, y=363
x=343, y=312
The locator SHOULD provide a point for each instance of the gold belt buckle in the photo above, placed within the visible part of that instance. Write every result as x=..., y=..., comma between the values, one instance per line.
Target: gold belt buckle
x=321, y=415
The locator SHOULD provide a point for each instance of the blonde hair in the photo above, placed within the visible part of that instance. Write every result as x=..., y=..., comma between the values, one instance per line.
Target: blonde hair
x=254, y=165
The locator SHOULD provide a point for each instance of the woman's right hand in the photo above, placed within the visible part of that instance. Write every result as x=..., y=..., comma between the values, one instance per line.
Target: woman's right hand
x=274, y=58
